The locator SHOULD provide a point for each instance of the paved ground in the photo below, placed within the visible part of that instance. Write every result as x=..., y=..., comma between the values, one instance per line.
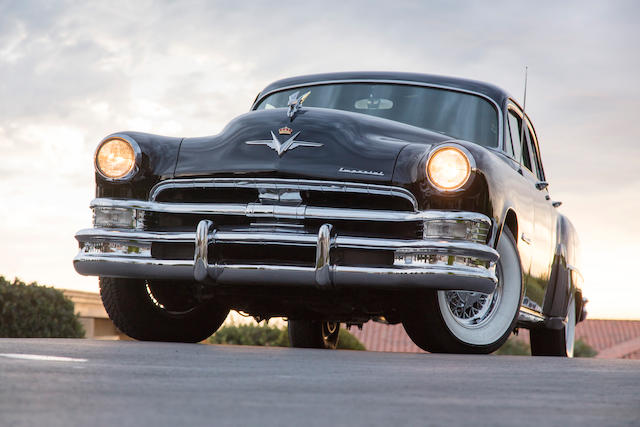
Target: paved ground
x=134, y=384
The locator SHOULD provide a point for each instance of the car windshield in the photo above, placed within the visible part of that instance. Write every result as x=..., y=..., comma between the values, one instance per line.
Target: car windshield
x=456, y=114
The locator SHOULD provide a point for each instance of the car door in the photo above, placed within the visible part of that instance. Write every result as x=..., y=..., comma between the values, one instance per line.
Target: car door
x=522, y=195
x=544, y=225
x=533, y=207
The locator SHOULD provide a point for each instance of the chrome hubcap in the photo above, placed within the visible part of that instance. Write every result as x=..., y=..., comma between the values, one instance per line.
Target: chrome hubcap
x=474, y=309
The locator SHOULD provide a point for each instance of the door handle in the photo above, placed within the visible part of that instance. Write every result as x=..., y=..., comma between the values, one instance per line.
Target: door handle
x=541, y=185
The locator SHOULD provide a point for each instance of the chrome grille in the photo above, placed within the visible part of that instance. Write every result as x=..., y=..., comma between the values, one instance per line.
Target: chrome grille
x=284, y=191
x=262, y=201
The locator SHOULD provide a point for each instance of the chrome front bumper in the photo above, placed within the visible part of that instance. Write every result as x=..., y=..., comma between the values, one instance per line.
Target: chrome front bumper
x=419, y=264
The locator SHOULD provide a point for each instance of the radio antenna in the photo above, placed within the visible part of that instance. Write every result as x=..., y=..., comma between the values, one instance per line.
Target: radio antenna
x=524, y=120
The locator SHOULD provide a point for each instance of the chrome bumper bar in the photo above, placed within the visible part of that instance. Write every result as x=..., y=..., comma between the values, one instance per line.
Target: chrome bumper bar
x=452, y=264
x=302, y=212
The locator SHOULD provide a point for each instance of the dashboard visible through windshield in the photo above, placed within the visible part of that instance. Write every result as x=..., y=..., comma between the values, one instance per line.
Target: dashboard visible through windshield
x=456, y=114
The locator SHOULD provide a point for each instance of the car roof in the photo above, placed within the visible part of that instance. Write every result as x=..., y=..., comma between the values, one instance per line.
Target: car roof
x=498, y=95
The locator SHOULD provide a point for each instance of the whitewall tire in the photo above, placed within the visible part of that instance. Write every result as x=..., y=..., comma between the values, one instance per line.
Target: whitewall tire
x=471, y=322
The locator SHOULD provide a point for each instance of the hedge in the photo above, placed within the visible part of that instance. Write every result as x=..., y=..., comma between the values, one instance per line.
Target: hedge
x=34, y=311
x=272, y=336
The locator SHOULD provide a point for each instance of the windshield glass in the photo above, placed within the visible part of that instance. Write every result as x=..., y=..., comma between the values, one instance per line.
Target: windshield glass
x=456, y=114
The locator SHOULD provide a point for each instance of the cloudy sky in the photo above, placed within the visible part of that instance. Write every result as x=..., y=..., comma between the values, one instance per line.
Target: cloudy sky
x=72, y=72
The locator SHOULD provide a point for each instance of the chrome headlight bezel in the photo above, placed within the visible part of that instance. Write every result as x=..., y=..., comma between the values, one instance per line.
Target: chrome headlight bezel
x=137, y=153
x=470, y=162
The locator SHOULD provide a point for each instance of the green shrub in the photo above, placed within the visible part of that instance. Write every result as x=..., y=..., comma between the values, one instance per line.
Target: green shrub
x=514, y=347
x=517, y=347
x=271, y=336
x=265, y=335
x=583, y=349
x=33, y=311
x=347, y=341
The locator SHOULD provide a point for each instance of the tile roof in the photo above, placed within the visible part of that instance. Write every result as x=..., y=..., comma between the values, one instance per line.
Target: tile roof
x=610, y=338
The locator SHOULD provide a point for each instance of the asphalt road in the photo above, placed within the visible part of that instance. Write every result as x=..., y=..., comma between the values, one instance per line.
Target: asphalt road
x=111, y=383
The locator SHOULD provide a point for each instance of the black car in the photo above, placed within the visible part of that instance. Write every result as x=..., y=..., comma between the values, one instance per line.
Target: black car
x=340, y=198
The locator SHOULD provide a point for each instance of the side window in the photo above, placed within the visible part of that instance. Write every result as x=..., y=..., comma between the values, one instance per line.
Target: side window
x=508, y=143
x=515, y=130
x=535, y=156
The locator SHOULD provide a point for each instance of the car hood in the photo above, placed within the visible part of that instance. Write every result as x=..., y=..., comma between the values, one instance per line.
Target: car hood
x=336, y=145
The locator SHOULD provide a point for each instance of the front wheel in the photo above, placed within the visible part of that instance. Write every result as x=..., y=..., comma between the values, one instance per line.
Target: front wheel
x=556, y=342
x=471, y=322
x=313, y=334
x=160, y=311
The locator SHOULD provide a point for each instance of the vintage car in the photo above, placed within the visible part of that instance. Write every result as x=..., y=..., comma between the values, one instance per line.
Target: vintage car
x=338, y=199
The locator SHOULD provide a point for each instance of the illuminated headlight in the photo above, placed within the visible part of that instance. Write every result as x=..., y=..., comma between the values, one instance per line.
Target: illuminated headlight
x=107, y=217
x=449, y=229
x=448, y=168
x=116, y=158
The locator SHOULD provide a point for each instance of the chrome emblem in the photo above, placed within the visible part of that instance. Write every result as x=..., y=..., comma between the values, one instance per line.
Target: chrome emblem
x=289, y=144
x=285, y=131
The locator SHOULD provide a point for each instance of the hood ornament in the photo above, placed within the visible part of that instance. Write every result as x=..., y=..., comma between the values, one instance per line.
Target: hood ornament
x=295, y=103
x=283, y=147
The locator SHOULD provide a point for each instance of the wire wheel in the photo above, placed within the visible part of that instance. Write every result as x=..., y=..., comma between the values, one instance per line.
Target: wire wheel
x=474, y=309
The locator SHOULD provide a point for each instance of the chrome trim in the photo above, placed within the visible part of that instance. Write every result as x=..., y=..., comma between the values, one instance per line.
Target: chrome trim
x=360, y=172
x=323, y=264
x=285, y=184
x=470, y=249
x=527, y=315
x=137, y=152
x=435, y=277
x=100, y=234
x=201, y=254
x=257, y=210
x=573, y=269
x=131, y=267
x=526, y=239
x=401, y=82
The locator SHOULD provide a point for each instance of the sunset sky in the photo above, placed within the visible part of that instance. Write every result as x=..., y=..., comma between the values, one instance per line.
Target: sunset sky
x=72, y=72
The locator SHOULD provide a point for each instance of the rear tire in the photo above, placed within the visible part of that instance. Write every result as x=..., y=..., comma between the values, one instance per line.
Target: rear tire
x=556, y=342
x=159, y=311
x=471, y=322
x=313, y=334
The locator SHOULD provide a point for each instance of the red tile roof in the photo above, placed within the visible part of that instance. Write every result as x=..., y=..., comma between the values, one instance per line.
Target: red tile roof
x=610, y=338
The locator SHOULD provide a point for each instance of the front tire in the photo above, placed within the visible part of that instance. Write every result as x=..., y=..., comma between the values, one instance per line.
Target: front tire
x=471, y=322
x=160, y=311
x=313, y=334
x=556, y=342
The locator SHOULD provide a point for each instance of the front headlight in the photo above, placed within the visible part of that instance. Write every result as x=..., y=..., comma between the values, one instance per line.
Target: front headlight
x=448, y=168
x=116, y=158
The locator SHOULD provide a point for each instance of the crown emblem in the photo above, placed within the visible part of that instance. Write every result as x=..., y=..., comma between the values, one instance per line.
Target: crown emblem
x=285, y=131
